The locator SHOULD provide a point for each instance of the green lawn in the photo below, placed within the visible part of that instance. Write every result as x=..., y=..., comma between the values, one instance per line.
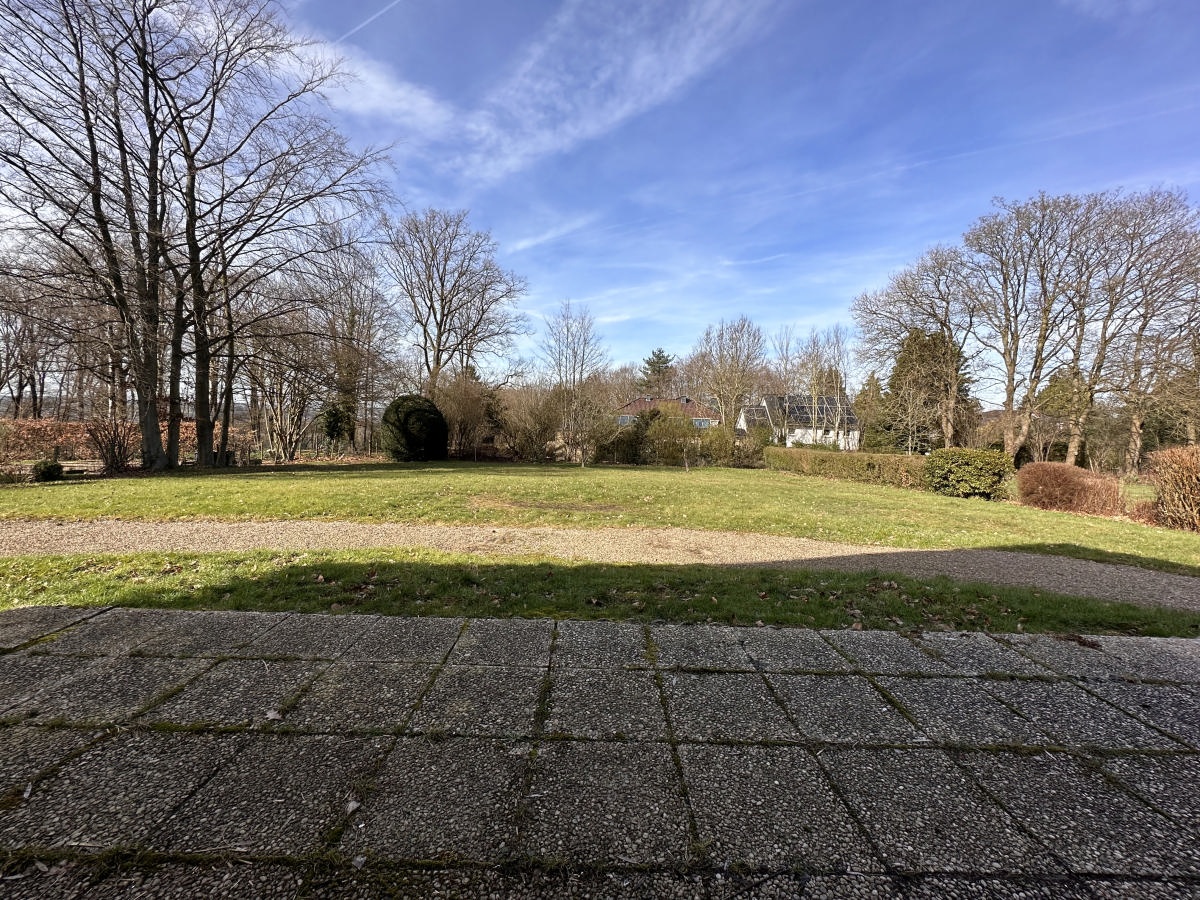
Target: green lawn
x=425, y=582
x=764, y=501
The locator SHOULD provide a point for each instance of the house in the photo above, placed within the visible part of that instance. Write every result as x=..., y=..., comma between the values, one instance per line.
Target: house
x=799, y=419
x=700, y=415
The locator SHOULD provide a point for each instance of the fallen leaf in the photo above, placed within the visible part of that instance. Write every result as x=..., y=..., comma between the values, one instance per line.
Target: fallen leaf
x=274, y=715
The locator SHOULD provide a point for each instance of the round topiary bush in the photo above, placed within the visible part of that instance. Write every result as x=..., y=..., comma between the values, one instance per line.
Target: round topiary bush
x=47, y=470
x=414, y=430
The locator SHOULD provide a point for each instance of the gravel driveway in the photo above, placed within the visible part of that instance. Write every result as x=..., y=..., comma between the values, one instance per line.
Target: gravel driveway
x=670, y=546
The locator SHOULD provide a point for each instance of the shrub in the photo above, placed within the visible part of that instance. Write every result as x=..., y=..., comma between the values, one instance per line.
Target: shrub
x=116, y=443
x=414, y=430
x=1067, y=488
x=47, y=470
x=870, y=468
x=958, y=472
x=1176, y=475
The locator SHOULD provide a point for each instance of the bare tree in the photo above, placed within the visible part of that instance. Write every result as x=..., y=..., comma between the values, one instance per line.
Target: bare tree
x=728, y=363
x=930, y=298
x=458, y=302
x=1020, y=267
x=576, y=360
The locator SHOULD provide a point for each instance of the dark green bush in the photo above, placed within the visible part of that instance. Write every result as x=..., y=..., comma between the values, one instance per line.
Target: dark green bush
x=870, y=468
x=47, y=470
x=959, y=472
x=414, y=430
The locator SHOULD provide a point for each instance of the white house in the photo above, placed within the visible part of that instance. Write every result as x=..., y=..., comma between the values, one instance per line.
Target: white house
x=795, y=419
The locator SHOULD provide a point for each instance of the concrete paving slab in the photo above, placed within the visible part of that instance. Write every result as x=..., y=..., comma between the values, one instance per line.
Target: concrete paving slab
x=504, y=642
x=115, y=632
x=1072, y=655
x=600, y=645
x=280, y=794
x=925, y=815
x=792, y=650
x=1143, y=889
x=1163, y=659
x=389, y=639
x=237, y=693
x=771, y=808
x=885, y=653
x=62, y=881
x=360, y=696
x=1074, y=718
x=25, y=752
x=111, y=691
x=22, y=676
x=724, y=706
x=976, y=653
x=1093, y=826
x=789, y=886
x=491, y=884
x=441, y=800
x=606, y=704
x=309, y=637
x=960, y=711
x=208, y=633
x=598, y=803
x=1168, y=783
x=117, y=793
x=227, y=880
x=1168, y=708
x=481, y=701
x=940, y=888
x=845, y=709
x=27, y=623
x=705, y=648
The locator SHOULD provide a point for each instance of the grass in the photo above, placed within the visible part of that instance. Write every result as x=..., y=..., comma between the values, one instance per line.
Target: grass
x=422, y=582
x=762, y=501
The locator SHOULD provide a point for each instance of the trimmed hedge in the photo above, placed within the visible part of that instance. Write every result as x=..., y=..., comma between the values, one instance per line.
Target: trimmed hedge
x=959, y=472
x=891, y=469
x=1067, y=488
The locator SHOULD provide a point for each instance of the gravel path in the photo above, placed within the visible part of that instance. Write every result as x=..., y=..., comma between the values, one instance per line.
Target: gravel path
x=670, y=546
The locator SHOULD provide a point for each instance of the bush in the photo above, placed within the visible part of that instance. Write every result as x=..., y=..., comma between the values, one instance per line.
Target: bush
x=1176, y=475
x=414, y=430
x=958, y=472
x=870, y=468
x=116, y=443
x=47, y=470
x=1067, y=488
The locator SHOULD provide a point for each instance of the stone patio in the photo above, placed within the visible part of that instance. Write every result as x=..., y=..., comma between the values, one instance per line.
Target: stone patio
x=163, y=754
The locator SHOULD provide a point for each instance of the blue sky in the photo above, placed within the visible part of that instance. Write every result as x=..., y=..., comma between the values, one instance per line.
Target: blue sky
x=669, y=163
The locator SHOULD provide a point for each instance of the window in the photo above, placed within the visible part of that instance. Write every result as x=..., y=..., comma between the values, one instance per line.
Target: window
x=625, y=420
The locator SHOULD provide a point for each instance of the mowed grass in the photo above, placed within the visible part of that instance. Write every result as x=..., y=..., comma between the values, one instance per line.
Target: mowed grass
x=743, y=500
x=424, y=582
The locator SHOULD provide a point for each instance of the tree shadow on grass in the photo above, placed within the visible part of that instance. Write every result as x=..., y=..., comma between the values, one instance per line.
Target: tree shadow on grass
x=385, y=582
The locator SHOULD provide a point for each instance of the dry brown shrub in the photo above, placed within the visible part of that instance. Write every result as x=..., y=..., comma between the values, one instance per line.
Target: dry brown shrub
x=1049, y=485
x=1145, y=512
x=1176, y=475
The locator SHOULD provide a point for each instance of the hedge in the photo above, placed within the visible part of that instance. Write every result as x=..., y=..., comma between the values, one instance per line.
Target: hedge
x=869, y=468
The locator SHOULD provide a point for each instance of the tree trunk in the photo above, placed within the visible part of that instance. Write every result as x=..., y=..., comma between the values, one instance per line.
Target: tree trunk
x=1133, y=451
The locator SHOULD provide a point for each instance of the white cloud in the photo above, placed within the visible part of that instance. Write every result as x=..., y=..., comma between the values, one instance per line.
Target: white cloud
x=597, y=65
x=1110, y=9
x=374, y=91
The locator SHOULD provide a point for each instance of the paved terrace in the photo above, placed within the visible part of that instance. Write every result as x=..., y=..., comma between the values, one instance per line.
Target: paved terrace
x=188, y=754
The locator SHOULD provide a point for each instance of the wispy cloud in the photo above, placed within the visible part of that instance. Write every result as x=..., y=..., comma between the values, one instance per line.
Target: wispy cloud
x=597, y=65
x=1110, y=9
x=550, y=235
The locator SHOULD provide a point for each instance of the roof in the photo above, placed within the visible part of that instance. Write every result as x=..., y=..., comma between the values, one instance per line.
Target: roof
x=671, y=407
x=800, y=411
